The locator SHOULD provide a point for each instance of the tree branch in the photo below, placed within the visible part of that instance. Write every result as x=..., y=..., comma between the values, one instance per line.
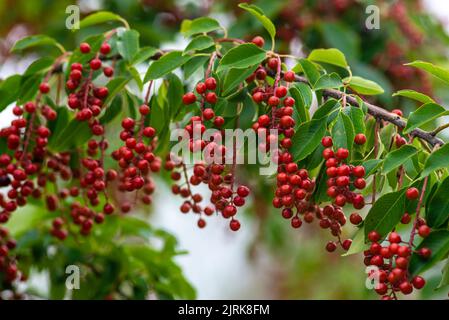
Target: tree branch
x=379, y=113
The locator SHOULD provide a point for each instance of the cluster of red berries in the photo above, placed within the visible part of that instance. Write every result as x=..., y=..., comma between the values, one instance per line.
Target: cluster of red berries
x=206, y=91
x=136, y=158
x=27, y=144
x=219, y=178
x=225, y=198
x=8, y=267
x=399, y=12
x=392, y=261
x=341, y=175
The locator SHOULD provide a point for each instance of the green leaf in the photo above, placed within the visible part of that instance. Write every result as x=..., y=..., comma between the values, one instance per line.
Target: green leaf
x=157, y=117
x=445, y=275
x=101, y=17
x=200, y=25
x=303, y=113
x=357, y=118
x=9, y=90
x=371, y=166
x=425, y=114
x=166, y=64
x=234, y=77
x=174, y=94
x=412, y=94
x=36, y=41
x=437, y=210
x=386, y=213
x=310, y=70
x=343, y=132
x=306, y=93
x=328, y=81
x=136, y=77
x=39, y=65
x=438, y=159
x=395, y=159
x=144, y=54
x=196, y=64
x=330, y=56
x=358, y=243
x=260, y=15
x=364, y=86
x=115, y=86
x=308, y=137
x=200, y=42
x=326, y=109
x=28, y=88
x=73, y=135
x=438, y=243
x=112, y=111
x=242, y=57
x=440, y=73
x=128, y=45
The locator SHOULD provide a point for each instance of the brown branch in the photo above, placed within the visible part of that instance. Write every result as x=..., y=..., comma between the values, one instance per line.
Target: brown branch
x=379, y=113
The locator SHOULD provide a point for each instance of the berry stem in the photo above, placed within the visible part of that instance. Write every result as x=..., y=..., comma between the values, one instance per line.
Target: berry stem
x=275, y=86
x=376, y=153
x=418, y=209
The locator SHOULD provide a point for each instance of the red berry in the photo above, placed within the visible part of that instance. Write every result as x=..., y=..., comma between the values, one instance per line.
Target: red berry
x=219, y=121
x=289, y=76
x=373, y=236
x=208, y=113
x=84, y=47
x=144, y=109
x=44, y=87
x=273, y=63
x=296, y=222
x=406, y=287
x=201, y=223
x=108, y=72
x=327, y=142
x=412, y=193
x=211, y=83
x=273, y=101
x=425, y=253
x=406, y=218
x=243, y=191
x=346, y=244
x=234, y=225
x=258, y=97
x=95, y=64
x=355, y=219
x=281, y=92
x=342, y=153
x=424, y=231
x=201, y=88
x=211, y=97
x=394, y=237
x=418, y=282
x=360, y=139
x=188, y=98
x=358, y=171
x=400, y=141
x=331, y=246
x=105, y=48
x=258, y=41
